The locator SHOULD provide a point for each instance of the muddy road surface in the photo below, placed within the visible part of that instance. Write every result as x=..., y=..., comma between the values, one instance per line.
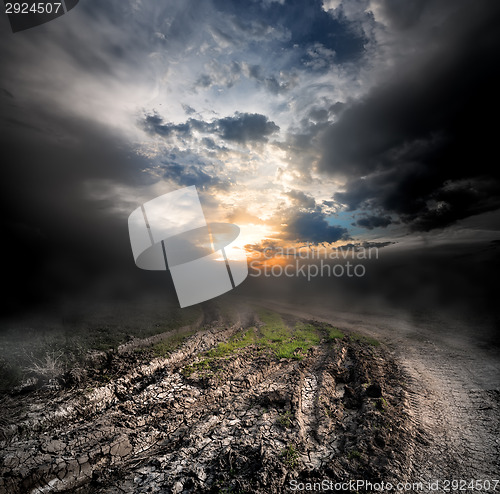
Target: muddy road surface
x=284, y=396
x=454, y=386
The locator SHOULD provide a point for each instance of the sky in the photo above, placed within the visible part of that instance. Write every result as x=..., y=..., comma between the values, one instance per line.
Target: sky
x=323, y=122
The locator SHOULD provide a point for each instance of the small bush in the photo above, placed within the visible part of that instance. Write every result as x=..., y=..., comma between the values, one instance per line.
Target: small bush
x=48, y=367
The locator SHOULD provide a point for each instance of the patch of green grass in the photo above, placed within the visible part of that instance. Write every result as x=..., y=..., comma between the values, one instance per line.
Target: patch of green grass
x=290, y=456
x=171, y=343
x=221, y=352
x=307, y=334
x=273, y=335
x=364, y=339
x=274, y=330
x=240, y=340
x=381, y=404
x=354, y=455
x=283, y=341
x=299, y=340
x=334, y=333
x=285, y=419
x=201, y=366
x=288, y=350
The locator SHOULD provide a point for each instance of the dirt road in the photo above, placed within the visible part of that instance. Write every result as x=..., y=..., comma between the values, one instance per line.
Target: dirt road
x=222, y=413
x=424, y=406
x=454, y=385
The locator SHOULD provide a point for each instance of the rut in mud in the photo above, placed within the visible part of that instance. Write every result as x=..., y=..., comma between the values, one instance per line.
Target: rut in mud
x=242, y=408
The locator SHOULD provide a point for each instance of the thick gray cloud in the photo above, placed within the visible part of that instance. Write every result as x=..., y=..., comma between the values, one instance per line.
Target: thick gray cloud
x=154, y=124
x=311, y=226
x=245, y=127
x=306, y=26
x=301, y=199
x=185, y=168
x=416, y=146
x=59, y=241
x=241, y=127
x=372, y=222
x=420, y=145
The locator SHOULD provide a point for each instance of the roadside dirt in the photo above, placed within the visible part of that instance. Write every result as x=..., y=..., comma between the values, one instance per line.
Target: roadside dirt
x=242, y=422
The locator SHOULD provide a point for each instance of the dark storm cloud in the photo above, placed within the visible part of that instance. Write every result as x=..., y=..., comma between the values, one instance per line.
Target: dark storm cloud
x=318, y=114
x=311, y=226
x=57, y=156
x=420, y=200
x=458, y=200
x=409, y=145
x=241, y=127
x=402, y=189
x=60, y=240
x=372, y=222
x=154, y=124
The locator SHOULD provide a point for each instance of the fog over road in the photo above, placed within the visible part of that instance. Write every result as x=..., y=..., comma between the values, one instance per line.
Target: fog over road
x=453, y=382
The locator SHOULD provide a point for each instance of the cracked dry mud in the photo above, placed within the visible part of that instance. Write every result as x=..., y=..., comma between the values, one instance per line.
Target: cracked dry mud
x=453, y=391
x=245, y=421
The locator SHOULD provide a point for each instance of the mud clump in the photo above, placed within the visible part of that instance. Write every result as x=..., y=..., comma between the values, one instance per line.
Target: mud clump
x=223, y=413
